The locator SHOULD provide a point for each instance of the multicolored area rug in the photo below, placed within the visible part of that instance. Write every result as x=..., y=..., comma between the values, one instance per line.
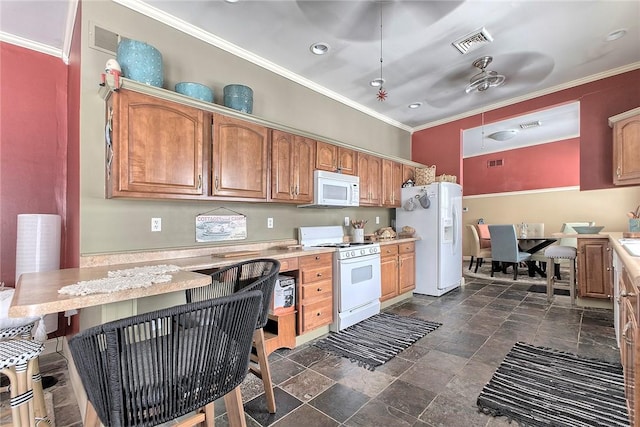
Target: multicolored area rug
x=538, y=386
x=377, y=339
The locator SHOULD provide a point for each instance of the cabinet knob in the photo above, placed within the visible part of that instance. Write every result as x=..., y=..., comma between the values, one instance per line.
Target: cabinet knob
x=199, y=182
x=318, y=274
x=319, y=289
x=318, y=314
x=317, y=257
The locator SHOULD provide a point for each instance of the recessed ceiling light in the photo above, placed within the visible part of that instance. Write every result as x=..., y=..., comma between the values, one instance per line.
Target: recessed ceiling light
x=616, y=34
x=231, y=1
x=377, y=82
x=415, y=105
x=319, y=48
x=503, y=135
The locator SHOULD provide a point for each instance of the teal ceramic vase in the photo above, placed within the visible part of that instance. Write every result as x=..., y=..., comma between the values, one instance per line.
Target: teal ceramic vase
x=140, y=62
x=239, y=97
x=195, y=90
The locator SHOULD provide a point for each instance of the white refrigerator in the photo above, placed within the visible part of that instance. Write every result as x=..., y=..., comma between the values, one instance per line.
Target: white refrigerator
x=435, y=211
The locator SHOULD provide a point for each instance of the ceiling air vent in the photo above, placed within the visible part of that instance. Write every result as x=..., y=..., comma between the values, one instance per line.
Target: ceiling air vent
x=103, y=40
x=473, y=41
x=530, y=125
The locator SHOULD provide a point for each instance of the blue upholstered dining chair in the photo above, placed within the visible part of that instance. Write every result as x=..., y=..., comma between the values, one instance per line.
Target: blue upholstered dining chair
x=504, y=247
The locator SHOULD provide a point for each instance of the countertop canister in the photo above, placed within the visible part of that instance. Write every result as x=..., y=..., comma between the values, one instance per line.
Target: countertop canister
x=140, y=62
x=238, y=97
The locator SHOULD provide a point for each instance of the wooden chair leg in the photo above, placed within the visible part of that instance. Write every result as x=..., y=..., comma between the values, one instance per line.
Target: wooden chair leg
x=572, y=282
x=515, y=271
x=471, y=263
x=478, y=264
x=91, y=416
x=550, y=280
x=39, y=406
x=235, y=410
x=265, y=371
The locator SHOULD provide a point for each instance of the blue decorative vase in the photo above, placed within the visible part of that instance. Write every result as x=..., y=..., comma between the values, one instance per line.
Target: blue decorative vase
x=140, y=62
x=239, y=98
x=195, y=90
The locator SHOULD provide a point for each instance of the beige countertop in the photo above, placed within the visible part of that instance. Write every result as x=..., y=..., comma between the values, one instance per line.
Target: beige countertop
x=37, y=293
x=631, y=263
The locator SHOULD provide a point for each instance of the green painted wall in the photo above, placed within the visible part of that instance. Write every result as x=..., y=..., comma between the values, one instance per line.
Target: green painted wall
x=110, y=225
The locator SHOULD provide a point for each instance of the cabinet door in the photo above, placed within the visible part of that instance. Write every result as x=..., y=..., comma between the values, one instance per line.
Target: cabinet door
x=370, y=172
x=157, y=147
x=406, y=272
x=282, y=165
x=388, y=277
x=304, y=158
x=326, y=156
x=626, y=151
x=408, y=173
x=239, y=159
x=391, y=183
x=594, y=268
x=347, y=161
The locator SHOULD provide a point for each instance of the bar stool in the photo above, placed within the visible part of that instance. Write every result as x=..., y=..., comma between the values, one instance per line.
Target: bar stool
x=18, y=361
x=561, y=252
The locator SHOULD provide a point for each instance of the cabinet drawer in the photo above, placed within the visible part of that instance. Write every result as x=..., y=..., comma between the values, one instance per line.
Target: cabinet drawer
x=312, y=261
x=405, y=248
x=388, y=250
x=310, y=275
x=323, y=289
x=288, y=264
x=317, y=314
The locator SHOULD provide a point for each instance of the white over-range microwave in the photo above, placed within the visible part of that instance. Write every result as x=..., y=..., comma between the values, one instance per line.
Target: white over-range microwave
x=332, y=189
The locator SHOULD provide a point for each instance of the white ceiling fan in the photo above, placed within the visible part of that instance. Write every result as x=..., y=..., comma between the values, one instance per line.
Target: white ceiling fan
x=484, y=79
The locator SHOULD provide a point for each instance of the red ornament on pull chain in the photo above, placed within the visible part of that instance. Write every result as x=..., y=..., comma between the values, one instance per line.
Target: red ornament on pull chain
x=382, y=94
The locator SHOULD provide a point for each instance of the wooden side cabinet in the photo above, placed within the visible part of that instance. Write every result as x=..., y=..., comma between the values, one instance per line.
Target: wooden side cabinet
x=239, y=159
x=626, y=147
x=157, y=147
x=292, y=160
x=629, y=353
x=315, y=292
x=397, y=269
x=594, y=268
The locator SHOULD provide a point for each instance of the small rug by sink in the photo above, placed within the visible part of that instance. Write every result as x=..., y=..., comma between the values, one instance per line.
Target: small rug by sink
x=538, y=386
x=377, y=339
x=542, y=289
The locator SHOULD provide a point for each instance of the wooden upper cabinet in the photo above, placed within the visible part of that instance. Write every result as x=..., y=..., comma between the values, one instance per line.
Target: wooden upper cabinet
x=408, y=173
x=157, y=147
x=292, y=160
x=334, y=158
x=239, y=159
x=370, y=173
x=391, y=183
x=626, y=149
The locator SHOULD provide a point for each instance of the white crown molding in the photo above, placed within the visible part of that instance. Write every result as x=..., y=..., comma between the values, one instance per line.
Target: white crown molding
x=568, y=85
x=185, y=27
x=72, y=10
x=523, y=192
x=29, y=44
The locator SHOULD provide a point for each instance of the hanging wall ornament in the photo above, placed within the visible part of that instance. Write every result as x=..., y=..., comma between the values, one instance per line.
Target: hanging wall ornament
x=382, y=93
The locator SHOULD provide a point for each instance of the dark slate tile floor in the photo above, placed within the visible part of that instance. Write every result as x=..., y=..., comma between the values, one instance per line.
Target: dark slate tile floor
x=433, y=383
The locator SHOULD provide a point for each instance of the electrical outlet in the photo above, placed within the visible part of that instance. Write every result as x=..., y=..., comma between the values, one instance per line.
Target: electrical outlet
x=269, y=222
x=346, y=221
x=377, y=220
x=156, y=224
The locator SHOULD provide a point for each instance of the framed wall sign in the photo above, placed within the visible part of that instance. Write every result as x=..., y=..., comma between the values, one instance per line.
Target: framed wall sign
x=215, y=228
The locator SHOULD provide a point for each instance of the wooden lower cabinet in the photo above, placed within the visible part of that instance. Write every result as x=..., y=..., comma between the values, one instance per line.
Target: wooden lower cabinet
x=315, y=292
x=595, y=276
x=629, y=353
x=397, y=269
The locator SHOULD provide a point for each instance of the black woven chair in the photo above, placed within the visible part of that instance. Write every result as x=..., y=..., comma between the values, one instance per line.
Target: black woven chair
x=257, y=274
x=148, y=369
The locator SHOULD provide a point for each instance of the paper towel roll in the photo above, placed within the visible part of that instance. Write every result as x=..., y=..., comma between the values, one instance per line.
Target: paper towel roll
x=38, y=249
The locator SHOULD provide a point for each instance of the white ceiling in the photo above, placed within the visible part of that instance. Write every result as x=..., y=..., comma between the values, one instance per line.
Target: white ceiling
x=540, y=46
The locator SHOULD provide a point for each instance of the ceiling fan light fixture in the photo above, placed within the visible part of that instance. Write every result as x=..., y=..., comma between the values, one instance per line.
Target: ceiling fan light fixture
x=377, y=82
x=319, y=48
x=484, y=79
x=503, y=135
x=415, y=105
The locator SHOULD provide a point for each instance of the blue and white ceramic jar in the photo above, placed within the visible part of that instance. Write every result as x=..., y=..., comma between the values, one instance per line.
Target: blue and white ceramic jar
x=140, y=62
x=239, y=97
